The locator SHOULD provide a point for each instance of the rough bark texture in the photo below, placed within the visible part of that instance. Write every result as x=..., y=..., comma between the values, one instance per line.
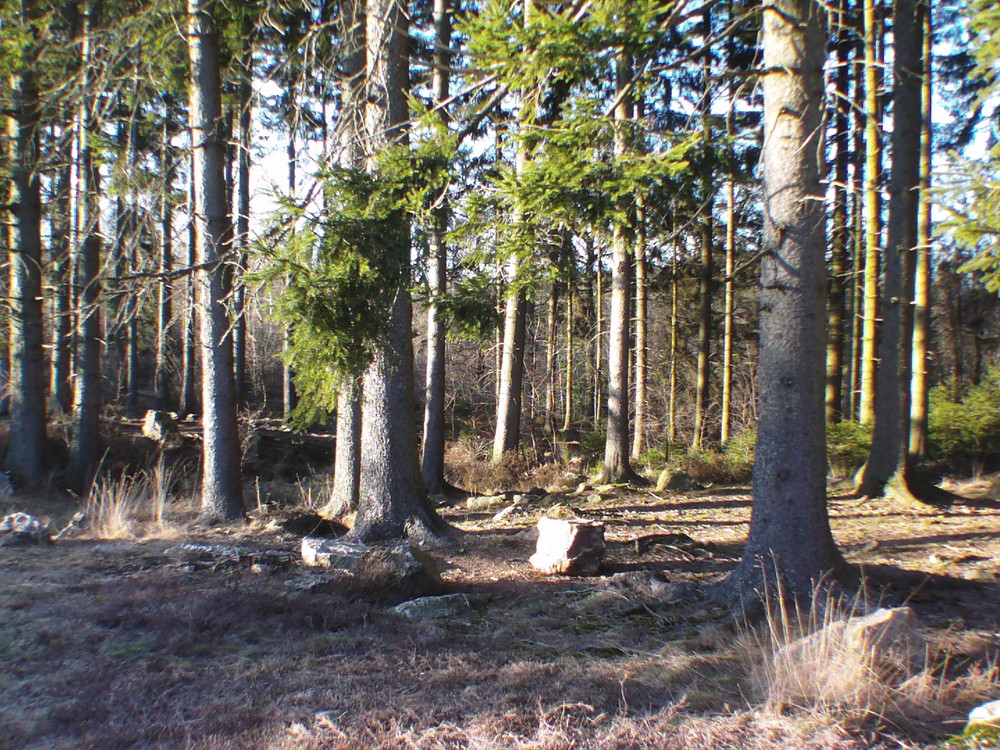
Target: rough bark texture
x=789, y=529
x=26, y=447
x=890, y=434
x=221, y=486
x=189, y=355
x=347, y=459
x=641, y=332
x=432, y=458
x=85, y=445
x=60, y=389
x=393, y=499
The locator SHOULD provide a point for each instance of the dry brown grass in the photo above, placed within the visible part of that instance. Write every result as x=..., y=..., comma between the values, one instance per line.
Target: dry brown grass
x=807, y=665
x=143, y=505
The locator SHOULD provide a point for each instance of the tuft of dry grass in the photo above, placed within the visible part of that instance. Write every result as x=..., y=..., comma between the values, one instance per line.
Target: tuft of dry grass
x=809, y=662
x=131, y=506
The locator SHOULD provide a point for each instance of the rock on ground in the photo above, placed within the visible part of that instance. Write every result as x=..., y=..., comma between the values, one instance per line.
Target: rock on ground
x=23, y=529
x=568, y=547
x=395, y=571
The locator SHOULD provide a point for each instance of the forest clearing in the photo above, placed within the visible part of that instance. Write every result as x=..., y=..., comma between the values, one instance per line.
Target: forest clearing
x=170, y=638
x=504, y=374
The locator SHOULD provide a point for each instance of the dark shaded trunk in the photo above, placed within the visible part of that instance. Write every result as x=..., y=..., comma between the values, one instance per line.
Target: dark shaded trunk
x=25, y=461
x=61, y=344
x=221, y=486
x=242, y=238
x=85, y=445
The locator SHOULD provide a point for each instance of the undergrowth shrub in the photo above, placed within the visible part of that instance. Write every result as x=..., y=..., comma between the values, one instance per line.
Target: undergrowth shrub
x=967, y=430
x=847, y=446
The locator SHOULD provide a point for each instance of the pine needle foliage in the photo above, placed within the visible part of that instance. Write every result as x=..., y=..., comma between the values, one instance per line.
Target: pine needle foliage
x=340, y=267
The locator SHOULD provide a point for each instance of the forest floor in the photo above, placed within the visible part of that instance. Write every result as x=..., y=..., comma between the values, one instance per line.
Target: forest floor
x=157, y=642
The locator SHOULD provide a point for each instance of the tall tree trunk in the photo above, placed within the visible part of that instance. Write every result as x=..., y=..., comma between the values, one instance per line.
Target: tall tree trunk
x=165, y=287
x=616, y=443
x=790, y=535
x=873, y=206
x=85, y=446
x=840, y=232
x=641, y=332
x=432, y=458
x=289, y=399
x=674, y=332
x=347, y=460
x=508, y=421
x=728, y=314
x=221, y=486
x=242, y=238
x=60, y=361
x=922, y=283
x=705, y=268
x=598, y=391
x=551, y=364
x=393, y=501
x=189, y=354
x=890, y=436
x=568, y=413
x=26, y=447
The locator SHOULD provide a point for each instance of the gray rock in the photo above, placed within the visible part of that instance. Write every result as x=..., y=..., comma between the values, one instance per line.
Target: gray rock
x=568, y=547
x=161, y=427
x=674, y=480
x=885, y=634
x=396, y=571
x=986, y=715
x=434, y=607
x=23, y=530
x=485, y=502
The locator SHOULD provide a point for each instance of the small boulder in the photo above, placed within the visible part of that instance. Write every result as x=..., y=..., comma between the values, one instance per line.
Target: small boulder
x=485, y=502
x=161, y=427
x=394, y=571
x=985, y=716
x=880, y=637
x=435, y=607
x=674, y=480
x=23, y=530
x=568, y=547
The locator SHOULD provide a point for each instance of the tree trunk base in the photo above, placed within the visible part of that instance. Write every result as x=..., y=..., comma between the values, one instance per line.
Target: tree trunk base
x=627, y=476
x=906, y=486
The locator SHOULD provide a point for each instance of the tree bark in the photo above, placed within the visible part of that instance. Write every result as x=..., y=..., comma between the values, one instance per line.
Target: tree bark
x=790, y=538
x=616, y=443
x=85, y=446
x=890, y=434
x=840, y=233
x=641, y=366
x=873, y=206
x=165, y=291
x=25, y=461
x=394, y=502
x=189, y=354
x=432, y=458
x=60, y=361
x=920, y=386
x=221, y=486
x=242, y=239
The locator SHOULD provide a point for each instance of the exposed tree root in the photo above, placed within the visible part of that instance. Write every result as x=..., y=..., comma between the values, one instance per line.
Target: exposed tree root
x=907, y=486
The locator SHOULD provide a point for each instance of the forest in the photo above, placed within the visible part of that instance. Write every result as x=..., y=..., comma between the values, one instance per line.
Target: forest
x=500, y=374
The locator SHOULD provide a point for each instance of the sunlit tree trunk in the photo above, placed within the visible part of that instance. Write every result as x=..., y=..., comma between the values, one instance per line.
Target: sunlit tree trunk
x=221, y=485
x=189, y=354
x=674, y=331
x=616, y=443
x=873, y=206
x=890, y=437
x=640, y=369
x=567, y=422
x=393, y=501
x=242, y=239
x=922, y=282
x=61, y=349
x=432, y=458
x=165, y=291
x=790, y=536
